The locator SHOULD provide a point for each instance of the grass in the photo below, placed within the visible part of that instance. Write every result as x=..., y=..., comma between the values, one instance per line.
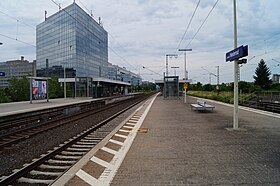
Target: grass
x=226, y=97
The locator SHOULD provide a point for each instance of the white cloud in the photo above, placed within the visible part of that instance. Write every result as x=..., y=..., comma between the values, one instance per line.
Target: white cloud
x=144, y=31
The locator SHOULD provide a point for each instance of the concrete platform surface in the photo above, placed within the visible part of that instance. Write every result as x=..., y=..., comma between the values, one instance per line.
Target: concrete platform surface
x=184, y=147
x=26, y=106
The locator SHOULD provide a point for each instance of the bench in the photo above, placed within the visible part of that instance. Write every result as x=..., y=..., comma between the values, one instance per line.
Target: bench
x=201, y=105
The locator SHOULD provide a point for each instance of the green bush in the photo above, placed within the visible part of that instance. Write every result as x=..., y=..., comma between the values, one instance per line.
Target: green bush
x=226, y=97
x=3, y=97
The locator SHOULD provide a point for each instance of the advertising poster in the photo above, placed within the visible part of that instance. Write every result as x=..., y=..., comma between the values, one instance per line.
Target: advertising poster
x=39, y=89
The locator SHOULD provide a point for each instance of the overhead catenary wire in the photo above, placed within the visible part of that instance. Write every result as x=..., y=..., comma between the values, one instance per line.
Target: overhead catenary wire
x=183, y=37
x=16, y=39
x=202, y=23
x=26, y=24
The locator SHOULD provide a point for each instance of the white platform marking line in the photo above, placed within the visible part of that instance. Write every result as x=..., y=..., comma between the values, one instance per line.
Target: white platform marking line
x=121, y=136
x=88, y=178
x=101, y=162
x=116, y=142
x=108, y=175
x=111, y=151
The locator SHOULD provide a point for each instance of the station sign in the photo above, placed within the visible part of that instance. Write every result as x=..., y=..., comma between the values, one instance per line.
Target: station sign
x=237, y=53
x=2, y=73
x=185, y=85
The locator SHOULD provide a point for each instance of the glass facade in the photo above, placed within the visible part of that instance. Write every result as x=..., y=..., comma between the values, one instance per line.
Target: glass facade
x=72, y=39
x=121, y=74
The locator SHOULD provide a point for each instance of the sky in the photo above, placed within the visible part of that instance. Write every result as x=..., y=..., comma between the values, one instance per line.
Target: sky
x=142, y=32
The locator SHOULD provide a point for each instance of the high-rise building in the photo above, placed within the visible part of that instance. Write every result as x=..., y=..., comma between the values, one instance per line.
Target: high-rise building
x=72, y=46
x=72, y=39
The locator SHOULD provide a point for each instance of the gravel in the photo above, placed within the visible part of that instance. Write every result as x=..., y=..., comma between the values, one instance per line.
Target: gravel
x=24, y=152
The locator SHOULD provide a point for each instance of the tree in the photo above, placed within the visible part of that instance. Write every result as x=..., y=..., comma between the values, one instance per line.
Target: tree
x=3, y=97
x=262, y=75
x=55, y=90
x=19, y=89
x=207, y=87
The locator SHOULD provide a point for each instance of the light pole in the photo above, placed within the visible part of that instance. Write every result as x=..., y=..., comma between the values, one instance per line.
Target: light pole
x=174, y=70
x=64, y=69
x=235, y=112
x=185, y=59
x=185, y=68
x=64, y=81
x=166, y=61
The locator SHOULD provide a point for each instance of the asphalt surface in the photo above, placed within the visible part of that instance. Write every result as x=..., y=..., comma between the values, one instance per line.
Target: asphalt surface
x=184, y=147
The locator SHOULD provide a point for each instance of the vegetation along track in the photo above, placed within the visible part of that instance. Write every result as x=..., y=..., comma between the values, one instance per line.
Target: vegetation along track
x=47, y=168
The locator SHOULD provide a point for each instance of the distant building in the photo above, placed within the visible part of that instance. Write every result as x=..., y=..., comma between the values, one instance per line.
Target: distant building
x=17, y=69
x=276, y=78
x=121, y=74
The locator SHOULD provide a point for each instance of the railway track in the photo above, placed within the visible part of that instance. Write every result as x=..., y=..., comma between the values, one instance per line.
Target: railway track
x=20, y=121
x=27, y=132
x=54, y=163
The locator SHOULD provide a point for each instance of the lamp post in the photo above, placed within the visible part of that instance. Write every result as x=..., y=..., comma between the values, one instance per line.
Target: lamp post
x=64, y=69
x=64, y=81
x=185, y=67
x=174, y=70
x=169, y=55
x=235, y=112
x=185, y=59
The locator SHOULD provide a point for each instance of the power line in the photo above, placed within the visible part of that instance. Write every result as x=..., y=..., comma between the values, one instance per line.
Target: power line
x=87, y=9
x=202, y=23
x=18, y=40
x=28, y=25
x=188, y=25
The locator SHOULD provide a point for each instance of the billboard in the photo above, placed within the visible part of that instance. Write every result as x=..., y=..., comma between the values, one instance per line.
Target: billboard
x=39, y=89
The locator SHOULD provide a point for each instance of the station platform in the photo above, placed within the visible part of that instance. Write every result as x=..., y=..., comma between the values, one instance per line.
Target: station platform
x=25, y=106
x=170, y=144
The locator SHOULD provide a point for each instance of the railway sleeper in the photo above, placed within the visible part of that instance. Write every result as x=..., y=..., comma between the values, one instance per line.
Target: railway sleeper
x=78, y=149
x=67, y=157
x=56, y=167
x=82, y=146
x=44, y=173
x=93, y=136
x=89, y=140
x=86, y=143
x=34, y=181
x=72, y=153
x=61, y=161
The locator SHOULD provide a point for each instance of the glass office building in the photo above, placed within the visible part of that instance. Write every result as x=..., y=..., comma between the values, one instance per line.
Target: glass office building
x=72, y=39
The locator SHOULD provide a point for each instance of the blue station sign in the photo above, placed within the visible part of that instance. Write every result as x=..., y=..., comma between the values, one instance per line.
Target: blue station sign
x=2, y=73
x=237, y=53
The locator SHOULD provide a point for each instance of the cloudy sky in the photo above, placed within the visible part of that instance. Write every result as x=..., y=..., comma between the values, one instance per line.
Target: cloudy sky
x=142, y=32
